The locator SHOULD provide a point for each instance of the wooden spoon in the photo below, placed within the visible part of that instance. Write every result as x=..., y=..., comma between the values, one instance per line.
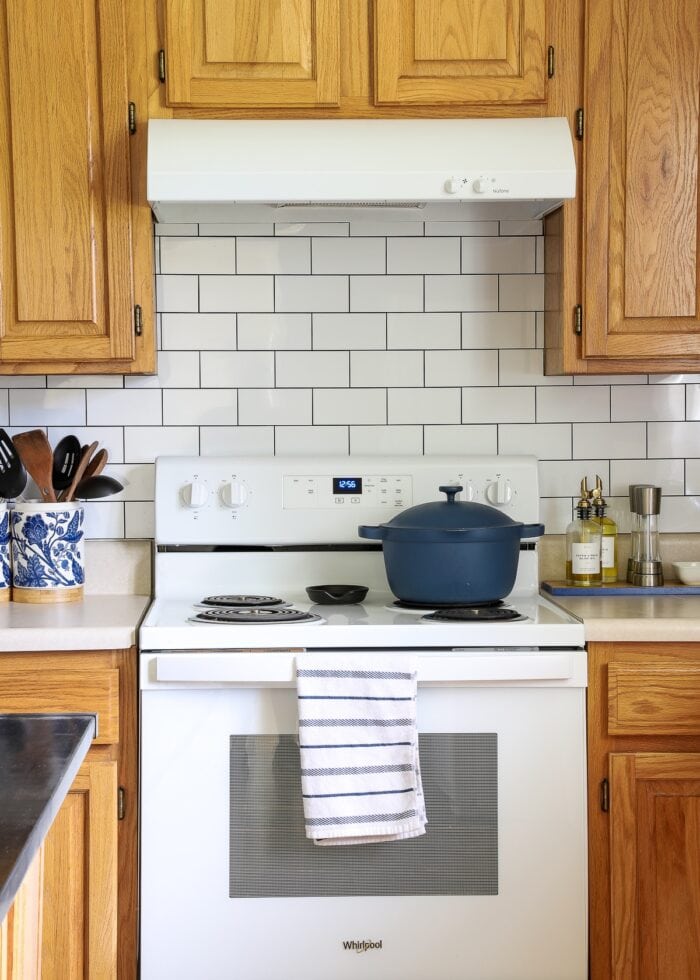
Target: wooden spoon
x=96, y=464
x=37, y=455
x=79, y=471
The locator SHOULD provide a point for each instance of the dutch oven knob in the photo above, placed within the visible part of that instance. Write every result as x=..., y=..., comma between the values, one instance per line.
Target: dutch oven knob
x=451, y=492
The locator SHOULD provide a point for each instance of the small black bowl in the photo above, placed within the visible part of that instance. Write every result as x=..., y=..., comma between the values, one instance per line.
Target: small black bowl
x=336, y=595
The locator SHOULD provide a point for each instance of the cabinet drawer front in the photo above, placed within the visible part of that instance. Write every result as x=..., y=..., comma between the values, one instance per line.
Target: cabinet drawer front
x=83, y=691
x=663, y=699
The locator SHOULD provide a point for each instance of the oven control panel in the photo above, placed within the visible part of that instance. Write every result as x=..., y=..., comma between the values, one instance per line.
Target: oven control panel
x=297, y=500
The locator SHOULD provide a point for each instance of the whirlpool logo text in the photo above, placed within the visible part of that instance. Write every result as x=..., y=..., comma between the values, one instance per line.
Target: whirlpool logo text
x=361, y=945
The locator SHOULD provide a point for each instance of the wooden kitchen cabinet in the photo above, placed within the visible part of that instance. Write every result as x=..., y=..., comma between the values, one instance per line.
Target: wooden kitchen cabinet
x=635, y=299
x=75, y=230
x=644, y=810
x=263, y=58
x=89, y=894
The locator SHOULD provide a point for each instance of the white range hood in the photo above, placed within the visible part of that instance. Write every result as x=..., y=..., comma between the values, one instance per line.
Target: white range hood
x=302, y=170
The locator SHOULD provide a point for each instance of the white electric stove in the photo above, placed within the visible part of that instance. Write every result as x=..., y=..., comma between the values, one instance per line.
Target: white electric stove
x=230, y=885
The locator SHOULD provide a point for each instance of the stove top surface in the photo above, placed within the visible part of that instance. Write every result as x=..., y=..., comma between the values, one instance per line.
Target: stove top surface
x=174, y=624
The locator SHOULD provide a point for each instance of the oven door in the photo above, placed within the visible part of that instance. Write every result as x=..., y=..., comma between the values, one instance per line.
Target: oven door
x=231, y=887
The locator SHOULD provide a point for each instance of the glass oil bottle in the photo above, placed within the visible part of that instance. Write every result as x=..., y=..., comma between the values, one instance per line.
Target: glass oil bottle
x=583, y=544
x=608, y=527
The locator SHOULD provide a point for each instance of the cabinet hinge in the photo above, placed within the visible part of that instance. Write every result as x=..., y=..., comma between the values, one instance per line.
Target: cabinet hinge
x=578, y=319
x=579, y=124
x=121, y=803
x=605, y=796
x=132, y=118
x=550, y=61
x=138, y=320
x=161, y=65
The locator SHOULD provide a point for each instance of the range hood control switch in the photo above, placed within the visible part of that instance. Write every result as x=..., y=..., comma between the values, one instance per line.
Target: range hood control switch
x=479, y=185
x=453, y=185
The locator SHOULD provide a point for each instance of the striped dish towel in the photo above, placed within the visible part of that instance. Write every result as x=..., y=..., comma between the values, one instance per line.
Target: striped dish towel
x=360, y=777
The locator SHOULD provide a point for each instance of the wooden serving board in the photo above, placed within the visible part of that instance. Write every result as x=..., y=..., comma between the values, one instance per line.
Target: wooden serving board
x=620, y=588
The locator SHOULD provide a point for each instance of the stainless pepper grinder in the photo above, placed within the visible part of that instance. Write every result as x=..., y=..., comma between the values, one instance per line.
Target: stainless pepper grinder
x=645, y=567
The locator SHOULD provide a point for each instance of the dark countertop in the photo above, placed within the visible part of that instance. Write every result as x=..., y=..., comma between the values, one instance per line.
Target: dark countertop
x=40, y=755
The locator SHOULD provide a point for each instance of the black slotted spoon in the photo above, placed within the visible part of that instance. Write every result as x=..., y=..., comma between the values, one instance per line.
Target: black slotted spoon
x=66, y=457
x=13, y=476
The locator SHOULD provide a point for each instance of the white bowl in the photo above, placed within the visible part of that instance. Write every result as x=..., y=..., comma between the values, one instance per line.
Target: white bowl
x=688, y=571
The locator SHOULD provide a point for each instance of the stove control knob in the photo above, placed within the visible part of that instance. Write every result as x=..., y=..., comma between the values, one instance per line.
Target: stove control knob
x=234, y=494
x=195, y=495
x=499, y=492
x=469, y=493
x=453, y=185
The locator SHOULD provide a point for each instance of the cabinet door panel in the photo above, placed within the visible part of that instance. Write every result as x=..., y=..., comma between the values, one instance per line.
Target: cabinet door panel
x=65, y=233
x=642, y=277
x=459, y=51
x=654, y=858
x=80, y=879
x=252, y=52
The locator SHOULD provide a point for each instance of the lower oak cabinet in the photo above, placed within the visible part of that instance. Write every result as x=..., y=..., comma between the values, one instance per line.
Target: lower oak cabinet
x=89, y=857
x=644, y=810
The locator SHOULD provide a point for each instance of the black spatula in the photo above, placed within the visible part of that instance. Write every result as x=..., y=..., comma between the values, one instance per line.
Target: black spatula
x=13, y=476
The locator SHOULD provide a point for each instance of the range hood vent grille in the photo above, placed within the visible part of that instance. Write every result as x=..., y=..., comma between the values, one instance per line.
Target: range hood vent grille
x=415, y=205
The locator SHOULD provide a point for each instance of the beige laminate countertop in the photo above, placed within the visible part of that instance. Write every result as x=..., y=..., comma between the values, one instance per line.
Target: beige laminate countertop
x=98, y=622
x=652, y=619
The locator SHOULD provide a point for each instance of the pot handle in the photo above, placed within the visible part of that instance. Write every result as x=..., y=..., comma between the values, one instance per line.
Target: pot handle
x=376, y=533
x=531, y=530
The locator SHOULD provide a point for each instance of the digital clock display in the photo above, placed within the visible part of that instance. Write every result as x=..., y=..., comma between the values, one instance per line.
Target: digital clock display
x=347, y=484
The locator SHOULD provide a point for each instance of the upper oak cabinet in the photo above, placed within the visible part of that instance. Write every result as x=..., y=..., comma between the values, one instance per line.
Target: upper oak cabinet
x=252, y=52
x=75, y=254
x=459, y=51
x=352, y=59
x=638, y=297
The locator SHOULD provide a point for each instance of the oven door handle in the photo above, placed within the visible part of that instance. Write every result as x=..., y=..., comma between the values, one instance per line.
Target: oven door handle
x=277, y=668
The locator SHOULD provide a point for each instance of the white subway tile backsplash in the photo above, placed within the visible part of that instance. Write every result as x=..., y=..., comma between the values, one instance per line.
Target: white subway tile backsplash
x=370, y=336
x=445, y=440
x=521, y=292
x=310, y=440
x=238, y=369
x=424, y=405
x=308, y=369
x=386, y=440
x=183, y=256
x=199, y=331
x=311, y=294
x=459, y=293
x=350, y=406
x=450, y=368
x=177, y=294
x=619, y=440
x=273, y=256
x=274, y=331
x=555, y=514
x=274, y=406
x=244, y=294
x=562, y=404
x=139, y=406
x=484, y=405
x=36, y=406
x=384, y=369
x=142, y=443
x=498, y=330
x=498, y=255
x=658, y=403
x=669, y=474
x=391, y=294
x=525, y=367
x=348, y=256
x=422, y=255
x=237, y=440
x=205, y=406
x=423, y=331
x=349, y=331
x=546, y=441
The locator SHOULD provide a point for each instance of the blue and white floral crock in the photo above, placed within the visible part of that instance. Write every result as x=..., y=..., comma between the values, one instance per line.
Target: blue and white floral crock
x=47, y=552
x=5, y=576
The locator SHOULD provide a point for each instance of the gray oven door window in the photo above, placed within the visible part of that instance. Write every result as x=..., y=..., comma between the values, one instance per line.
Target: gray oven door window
x=270, y=855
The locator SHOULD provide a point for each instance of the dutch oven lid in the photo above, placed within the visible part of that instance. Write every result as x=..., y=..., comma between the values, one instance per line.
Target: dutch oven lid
x=450, y=514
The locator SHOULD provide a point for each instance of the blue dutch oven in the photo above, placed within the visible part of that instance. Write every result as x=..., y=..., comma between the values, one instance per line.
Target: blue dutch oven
x=451, y=551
